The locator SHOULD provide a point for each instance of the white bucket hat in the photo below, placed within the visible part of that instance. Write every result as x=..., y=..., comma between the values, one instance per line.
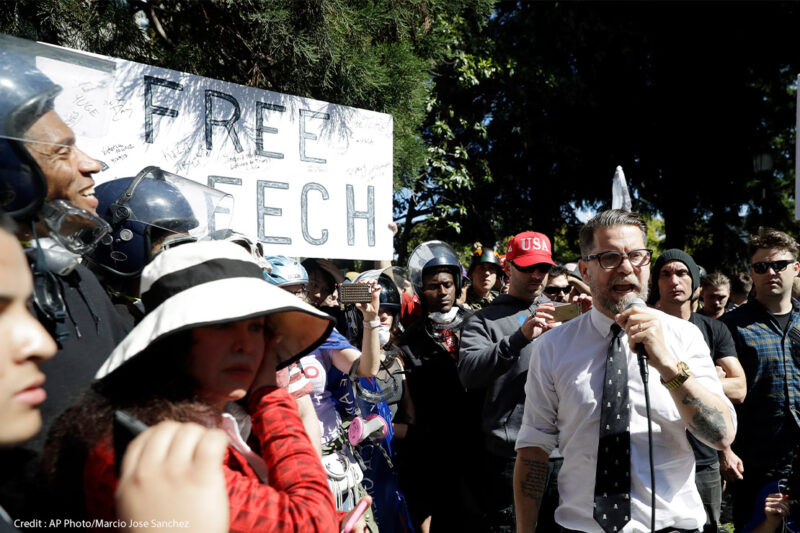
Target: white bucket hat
x=214, y=282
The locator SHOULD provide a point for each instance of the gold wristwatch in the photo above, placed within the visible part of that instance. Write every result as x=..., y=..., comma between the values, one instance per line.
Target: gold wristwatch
x=677, y=381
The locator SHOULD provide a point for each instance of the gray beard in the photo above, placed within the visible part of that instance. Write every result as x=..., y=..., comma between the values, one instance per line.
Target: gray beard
x=614, y=307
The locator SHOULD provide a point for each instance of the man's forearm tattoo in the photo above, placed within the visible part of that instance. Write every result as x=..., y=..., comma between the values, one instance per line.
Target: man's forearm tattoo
x=534, y=481
x=708, y=422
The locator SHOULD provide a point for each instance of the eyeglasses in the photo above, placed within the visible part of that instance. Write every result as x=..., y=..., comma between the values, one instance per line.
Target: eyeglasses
x=544, y=268
x=612, y=259
x=553, y=290
x=764, y=266
x=300, y=292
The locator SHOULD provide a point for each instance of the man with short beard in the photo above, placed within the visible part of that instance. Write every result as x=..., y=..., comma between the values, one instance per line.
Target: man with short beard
x=767, y=336
x=584, y=393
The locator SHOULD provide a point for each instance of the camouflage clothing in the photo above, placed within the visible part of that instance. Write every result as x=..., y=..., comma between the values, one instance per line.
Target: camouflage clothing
x=476, y=302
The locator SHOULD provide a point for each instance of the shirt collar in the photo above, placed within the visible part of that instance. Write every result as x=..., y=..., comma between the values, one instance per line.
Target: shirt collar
x=601, y=322
x=237, y=415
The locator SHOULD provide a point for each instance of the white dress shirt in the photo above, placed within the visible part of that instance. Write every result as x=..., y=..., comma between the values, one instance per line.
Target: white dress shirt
x=562, y=407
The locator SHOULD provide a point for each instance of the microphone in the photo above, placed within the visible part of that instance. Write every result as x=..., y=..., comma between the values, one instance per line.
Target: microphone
x=641, y=351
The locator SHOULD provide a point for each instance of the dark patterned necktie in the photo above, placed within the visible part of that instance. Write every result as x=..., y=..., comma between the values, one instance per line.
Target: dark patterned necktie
x=612, y=483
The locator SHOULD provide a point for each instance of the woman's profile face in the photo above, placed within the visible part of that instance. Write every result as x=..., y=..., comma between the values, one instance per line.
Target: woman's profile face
x=224, y=359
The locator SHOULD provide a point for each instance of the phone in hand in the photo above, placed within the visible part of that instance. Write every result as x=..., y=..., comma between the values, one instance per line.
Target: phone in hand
x=355, y=293
x=126, y=428
x=566, y=311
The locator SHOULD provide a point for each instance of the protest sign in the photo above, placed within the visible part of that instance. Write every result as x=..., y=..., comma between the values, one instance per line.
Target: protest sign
x=309, y=178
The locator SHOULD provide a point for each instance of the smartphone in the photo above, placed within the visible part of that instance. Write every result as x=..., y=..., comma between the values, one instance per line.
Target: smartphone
x=126, y=428
x=360, y=509
x=355, y=293
x=566, y=312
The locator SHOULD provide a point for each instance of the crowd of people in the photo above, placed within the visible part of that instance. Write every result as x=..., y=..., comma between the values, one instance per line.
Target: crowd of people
x=265, y=393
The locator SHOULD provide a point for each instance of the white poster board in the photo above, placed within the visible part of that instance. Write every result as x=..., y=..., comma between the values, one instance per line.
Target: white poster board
x=309, y=178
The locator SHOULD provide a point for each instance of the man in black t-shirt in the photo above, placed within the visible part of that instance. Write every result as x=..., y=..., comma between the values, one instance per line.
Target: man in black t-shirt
x=675, y=278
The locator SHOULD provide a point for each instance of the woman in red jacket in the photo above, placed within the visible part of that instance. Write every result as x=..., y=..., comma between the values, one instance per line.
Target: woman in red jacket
x=206, y=352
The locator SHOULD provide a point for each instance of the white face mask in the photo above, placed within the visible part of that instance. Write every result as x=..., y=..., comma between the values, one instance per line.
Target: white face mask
x=384, y=333
x=444, y=318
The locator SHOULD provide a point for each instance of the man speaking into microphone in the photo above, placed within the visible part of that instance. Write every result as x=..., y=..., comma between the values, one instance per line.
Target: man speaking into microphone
x=585, y=393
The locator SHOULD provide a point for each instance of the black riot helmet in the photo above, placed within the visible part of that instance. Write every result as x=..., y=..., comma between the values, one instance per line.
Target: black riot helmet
x=390, y=294
x=25, y=95
x=148, y=208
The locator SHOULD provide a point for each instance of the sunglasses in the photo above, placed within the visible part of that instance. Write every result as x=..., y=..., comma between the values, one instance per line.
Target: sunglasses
x=764, y=266
x=544, y=268
x=556, y=290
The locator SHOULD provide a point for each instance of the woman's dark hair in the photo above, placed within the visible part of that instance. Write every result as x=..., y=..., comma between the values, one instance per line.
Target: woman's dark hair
x=153, y=386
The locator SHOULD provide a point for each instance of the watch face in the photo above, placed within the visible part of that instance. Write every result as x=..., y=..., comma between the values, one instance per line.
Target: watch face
x=677, y=381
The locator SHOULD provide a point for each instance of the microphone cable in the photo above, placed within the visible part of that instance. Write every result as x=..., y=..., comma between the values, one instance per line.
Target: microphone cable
x=641, y=356
x=643, y=370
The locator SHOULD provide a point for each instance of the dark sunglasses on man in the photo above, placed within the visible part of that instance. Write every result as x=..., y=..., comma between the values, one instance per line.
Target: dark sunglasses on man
x=777, y=266
x=553, y=290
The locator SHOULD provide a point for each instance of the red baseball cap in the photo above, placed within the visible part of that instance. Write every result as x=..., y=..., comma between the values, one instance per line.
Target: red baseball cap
x=529, y=248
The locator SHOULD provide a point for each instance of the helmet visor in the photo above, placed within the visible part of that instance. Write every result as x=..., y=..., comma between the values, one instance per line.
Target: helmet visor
x=174, y=204
x=36, y=78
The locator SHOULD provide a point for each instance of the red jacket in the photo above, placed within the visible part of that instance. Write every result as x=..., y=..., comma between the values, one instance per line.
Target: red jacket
x=297, y=497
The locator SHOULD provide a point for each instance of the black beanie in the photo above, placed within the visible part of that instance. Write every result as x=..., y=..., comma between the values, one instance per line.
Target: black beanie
x=673, y=254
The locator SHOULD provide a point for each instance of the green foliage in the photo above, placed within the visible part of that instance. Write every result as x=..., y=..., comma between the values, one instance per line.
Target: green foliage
x=564, y=92
x=509, y=115
x=655, y=234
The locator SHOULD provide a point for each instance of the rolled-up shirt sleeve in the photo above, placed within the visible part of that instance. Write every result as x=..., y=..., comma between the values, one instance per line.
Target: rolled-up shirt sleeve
x=538, y=427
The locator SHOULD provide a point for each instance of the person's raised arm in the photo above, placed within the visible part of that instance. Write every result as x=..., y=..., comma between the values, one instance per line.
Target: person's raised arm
x=705, y=413
x=483, y=357
x=530, y=476
x=370, y=361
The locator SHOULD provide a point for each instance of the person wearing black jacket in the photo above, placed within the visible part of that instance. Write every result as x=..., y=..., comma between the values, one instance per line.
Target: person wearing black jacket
x=438, y=451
